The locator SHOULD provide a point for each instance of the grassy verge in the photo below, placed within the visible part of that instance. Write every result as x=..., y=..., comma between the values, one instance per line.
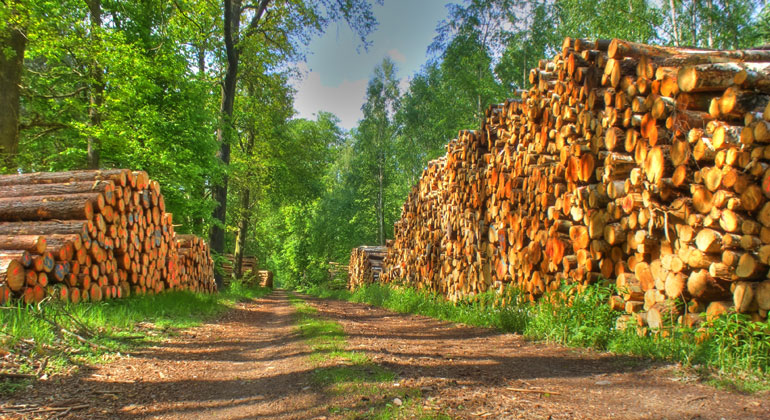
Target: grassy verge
x=730, y=352
x=366, y=387
x=54, y=337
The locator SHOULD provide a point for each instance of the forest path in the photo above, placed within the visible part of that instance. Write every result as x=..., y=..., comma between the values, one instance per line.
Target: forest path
x=254, y=363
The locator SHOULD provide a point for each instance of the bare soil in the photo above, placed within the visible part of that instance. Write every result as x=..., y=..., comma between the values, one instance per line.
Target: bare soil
x=251, y=363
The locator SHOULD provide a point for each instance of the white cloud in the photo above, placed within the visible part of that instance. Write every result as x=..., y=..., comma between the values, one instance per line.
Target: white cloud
x=396, y=55
x=344, y=100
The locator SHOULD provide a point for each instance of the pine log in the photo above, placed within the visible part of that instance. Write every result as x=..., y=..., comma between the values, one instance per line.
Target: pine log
x=62, y=207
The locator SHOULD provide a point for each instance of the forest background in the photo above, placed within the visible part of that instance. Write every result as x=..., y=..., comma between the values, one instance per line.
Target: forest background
x=198, y=94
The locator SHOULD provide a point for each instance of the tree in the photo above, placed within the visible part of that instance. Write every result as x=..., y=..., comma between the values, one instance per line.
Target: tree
x=467, y=43
x=266, y=106
x=378, y=132
x=717, y=24
x=281, y=24
x=13, y=42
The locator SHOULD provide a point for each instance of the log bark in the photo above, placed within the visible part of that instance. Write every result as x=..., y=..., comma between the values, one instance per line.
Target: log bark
x=46, y=207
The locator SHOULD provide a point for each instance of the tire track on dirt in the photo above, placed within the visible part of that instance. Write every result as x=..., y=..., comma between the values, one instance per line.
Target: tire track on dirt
x=471, y=372
x=250, y=363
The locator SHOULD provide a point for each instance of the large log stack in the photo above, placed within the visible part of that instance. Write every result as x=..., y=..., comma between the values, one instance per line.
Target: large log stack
x=92, y=235
x=365, y=265
x=643, y=165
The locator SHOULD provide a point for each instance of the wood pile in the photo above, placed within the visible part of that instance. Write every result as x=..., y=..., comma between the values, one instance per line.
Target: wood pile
x=645, y=166
x=365, y=265
x=92, y=235
x=265, y=278
x=194, y=264
x=249, y=264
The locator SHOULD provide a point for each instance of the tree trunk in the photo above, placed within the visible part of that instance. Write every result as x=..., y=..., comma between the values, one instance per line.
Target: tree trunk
x=96, y=89
x=243, y=224
x=243, y=228
x=673, y=22
x=12, y=45
x=381, y=202
x=232, y=19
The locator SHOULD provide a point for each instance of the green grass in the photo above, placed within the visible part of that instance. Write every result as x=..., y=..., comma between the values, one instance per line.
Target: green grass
x=33, y=335
x=735, y=354
x=347, y=373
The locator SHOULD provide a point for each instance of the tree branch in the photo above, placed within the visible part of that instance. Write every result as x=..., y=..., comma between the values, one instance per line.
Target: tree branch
x=200, y=28
x=64, y=95
x=257, y=16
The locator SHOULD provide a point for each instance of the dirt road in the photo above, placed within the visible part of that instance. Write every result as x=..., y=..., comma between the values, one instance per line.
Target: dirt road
x=252, y=363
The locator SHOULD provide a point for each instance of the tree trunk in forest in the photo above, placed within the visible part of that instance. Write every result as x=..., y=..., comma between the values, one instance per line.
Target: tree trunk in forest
x=96, y=90
x=12, y=45
x=243, y=224
x=243, y=228
x=381, y=201
x=673, y=21
x=711, y=25
x=232, y=22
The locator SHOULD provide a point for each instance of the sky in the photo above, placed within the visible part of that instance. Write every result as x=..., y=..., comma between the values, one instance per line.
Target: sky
x=337, y=68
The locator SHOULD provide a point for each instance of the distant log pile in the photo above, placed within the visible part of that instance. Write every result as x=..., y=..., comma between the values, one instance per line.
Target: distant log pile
x=365, y=265
x=249, y=264
x=93, y=235
x=647, y=166
x=265, y=278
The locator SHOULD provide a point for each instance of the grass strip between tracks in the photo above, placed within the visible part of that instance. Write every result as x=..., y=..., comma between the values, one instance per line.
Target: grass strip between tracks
x=363, y=389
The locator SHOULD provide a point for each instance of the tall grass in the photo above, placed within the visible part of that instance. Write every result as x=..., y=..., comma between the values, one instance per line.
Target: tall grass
x=68, y=334
x=731, y=345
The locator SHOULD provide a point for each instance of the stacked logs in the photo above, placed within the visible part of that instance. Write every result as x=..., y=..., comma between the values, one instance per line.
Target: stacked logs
x=194, y=264
x=265, y=278
x=248, y=264
x=365, y=265
x=646, y=166
x=91, y=235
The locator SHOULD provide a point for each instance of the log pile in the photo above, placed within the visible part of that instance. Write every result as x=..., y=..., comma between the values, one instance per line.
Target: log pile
x=193, y=264
x=249, y=264
x=265, y=278
x=92, y=235
x=645, y=166
x=365, y=265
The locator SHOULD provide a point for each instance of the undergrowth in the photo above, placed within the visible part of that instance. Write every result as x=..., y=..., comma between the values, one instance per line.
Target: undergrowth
x=730, y=351
x=39, y=340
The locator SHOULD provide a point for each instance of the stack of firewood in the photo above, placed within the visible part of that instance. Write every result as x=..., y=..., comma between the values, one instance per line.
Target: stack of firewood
x=248, y=264
x=265, y=278
x=91, y=235
x=194, y=264
x=365, y=265
x=645, y=166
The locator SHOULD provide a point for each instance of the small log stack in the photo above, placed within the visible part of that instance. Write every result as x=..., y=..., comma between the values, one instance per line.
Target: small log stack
x=641, y=165
x=92, y=235
x=265, y=278
x=365, y=265
x=249, y=264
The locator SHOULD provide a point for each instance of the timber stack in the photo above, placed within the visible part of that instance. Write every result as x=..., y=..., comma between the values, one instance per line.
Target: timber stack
x=248, y=264
x=92, y=235
x=365, y=265
x=265, y=278
x=639, y=165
